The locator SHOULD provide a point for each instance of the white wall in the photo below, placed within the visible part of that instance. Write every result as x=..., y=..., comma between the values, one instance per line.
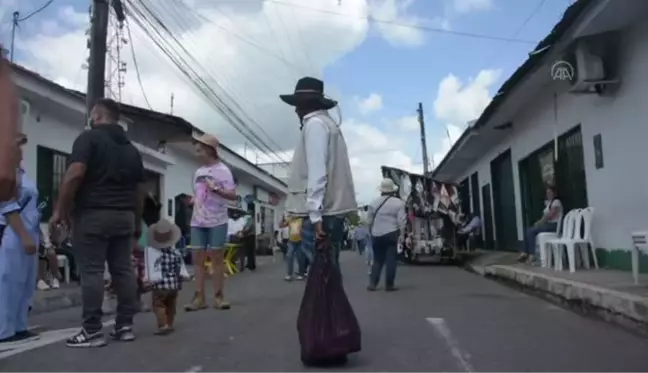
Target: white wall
x=618, y=191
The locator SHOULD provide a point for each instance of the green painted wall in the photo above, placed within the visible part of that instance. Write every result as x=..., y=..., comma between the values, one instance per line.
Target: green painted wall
x=620, y=259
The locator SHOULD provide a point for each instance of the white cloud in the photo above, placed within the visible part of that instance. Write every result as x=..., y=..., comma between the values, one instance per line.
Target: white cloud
x=263, y=48
x=463, y=6
x=408, y=123
x=457, y=103
x=372, y=103
x=394, y=12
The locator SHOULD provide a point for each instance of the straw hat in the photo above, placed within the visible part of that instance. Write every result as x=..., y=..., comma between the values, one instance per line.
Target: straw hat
x=163, y=234
x=207, y=139
x=388, y=186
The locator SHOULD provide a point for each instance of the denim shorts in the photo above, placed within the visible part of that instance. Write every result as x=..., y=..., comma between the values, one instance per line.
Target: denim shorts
x=212, y=238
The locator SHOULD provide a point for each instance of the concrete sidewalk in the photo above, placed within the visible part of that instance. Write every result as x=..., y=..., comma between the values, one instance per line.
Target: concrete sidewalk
x=609, y=294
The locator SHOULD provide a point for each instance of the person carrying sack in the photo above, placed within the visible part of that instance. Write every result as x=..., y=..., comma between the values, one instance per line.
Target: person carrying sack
x=321, y=192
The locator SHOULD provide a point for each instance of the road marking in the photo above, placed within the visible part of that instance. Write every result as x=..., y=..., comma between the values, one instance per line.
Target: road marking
x=195, y=369
x=441, y=328
x=46, y=338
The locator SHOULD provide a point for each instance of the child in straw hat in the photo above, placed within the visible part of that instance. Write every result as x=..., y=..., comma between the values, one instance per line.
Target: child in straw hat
x=163, y=236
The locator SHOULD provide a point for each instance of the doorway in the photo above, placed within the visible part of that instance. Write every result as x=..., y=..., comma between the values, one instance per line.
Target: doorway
x=487, y=217
x=474, y=192
x=506, y=237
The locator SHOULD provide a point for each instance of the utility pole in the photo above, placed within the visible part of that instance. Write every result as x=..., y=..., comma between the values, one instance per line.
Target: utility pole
x=97, y=60
x=426, y=167
x=14, y=25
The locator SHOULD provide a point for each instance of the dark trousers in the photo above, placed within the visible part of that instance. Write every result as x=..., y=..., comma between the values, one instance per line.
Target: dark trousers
x=100, y=236
x=385, y=253
x=333, y=228
x=361, y=246
x=247, y=253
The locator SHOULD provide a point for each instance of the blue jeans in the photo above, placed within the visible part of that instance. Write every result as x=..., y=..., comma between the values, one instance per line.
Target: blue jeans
x=294, y=251
x=333, y=227
x=531, y=234
x=361, y=246
x=385, y=253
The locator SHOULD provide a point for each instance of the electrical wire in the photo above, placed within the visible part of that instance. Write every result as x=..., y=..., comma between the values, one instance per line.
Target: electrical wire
x=492, y=59
x=251, y=120
x=35, y=12
x=161, y=35
x=137, y=70
x=401, y=24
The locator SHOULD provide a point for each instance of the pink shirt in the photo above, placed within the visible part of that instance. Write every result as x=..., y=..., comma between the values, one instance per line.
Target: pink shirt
x=210, y=209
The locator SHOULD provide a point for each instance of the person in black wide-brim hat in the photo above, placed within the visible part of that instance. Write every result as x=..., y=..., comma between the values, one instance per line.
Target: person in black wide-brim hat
x=308, y=97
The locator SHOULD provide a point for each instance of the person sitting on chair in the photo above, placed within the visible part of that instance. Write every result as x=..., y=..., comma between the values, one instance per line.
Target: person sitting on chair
x=469, y=231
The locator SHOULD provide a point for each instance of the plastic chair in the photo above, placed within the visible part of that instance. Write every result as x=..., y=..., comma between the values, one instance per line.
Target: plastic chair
x=640, y=245
x=575, y=241
x=541, y=243
x=568, y=229
x=65, y=264
x=230, y=257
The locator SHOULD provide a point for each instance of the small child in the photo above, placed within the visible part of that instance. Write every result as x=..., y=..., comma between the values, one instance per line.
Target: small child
x=163, y=236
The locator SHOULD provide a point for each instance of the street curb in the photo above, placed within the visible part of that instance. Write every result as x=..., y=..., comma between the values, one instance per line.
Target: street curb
x=624, y=309
x=55, y=300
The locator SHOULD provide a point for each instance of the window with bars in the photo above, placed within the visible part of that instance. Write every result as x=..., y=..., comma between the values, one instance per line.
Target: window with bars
x=51, y=165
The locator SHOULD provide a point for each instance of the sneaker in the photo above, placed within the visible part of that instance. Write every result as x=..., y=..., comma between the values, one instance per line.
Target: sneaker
x=288, y=278
x=163, y=330
x=300, y=278
x=42, y=285
x=391, y=288
x=124, y=334
x=84, y=339
x=371, y=288
x=55, y=284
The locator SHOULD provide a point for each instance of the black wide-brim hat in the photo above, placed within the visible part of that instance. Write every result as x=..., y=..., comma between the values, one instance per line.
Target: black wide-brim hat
x=309, y=91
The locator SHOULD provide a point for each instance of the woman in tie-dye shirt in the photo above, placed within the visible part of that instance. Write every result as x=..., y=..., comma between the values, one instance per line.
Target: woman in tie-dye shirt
x=213, y=187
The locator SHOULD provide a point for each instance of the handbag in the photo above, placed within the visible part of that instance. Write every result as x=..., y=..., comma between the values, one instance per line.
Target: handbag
x=327, y=326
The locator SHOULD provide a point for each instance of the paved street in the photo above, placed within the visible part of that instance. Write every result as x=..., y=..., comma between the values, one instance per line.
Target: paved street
x=443, y=319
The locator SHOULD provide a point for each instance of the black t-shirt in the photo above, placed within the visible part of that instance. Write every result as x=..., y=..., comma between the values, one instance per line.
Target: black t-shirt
x=113, y=169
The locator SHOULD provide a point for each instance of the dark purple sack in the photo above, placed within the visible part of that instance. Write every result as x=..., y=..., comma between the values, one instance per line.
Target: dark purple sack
x=327, y=326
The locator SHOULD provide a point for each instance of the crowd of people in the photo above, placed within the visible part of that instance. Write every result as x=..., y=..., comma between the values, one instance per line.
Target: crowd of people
x=101, y=207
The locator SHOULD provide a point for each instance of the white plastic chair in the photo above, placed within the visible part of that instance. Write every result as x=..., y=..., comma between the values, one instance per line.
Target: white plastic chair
x=567, y=231
x=575, y=240
x=640, y=245
x=64, y=263
x=541, y=243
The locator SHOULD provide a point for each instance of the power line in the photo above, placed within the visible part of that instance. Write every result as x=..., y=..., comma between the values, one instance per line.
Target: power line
x=162, y=36
x=252, y=121
x=526, y=21
x=407, y=25
x=137, y=70
x=35, y=12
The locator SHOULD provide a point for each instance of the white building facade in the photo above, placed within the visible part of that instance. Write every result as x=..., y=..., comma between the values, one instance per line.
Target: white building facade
x=52, y=118
x=586, y=133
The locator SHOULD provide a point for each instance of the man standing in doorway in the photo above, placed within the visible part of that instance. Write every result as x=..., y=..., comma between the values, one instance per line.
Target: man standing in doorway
x=320, y=183
x=105, y=184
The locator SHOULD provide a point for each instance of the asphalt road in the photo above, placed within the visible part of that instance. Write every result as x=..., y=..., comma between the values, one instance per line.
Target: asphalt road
x=443, y=319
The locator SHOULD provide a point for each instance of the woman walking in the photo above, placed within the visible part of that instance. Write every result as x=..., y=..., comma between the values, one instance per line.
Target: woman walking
x=20, y=223
x=213, y=187
x=387, y=218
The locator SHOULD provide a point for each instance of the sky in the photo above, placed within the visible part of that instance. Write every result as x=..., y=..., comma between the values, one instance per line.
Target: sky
x=378, y=59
